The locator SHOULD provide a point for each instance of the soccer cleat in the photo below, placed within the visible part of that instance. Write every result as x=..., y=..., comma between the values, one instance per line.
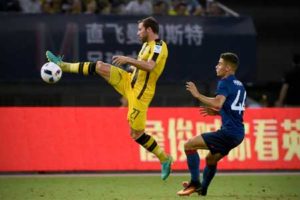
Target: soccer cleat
x=189, y=188
x=166, y=168
x=201, y=190
x=52, y=58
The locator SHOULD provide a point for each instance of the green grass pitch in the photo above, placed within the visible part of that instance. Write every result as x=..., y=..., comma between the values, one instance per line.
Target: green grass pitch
x=142, y=187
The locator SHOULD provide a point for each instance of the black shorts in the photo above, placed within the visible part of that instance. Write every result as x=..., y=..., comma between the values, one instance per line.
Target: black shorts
x=222, y=141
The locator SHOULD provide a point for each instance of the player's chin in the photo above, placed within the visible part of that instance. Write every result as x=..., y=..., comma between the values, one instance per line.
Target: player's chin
x=142, y=39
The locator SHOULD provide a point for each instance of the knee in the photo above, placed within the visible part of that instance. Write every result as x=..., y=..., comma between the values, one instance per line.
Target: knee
x=187, y=145
x=136, y=134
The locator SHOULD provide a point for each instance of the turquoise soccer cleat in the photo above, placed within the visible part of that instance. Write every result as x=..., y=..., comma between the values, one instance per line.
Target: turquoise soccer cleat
x=166, y=168
x=52, y=58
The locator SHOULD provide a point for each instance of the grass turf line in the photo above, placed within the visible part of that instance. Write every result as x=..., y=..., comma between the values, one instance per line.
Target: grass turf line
x=258, y=187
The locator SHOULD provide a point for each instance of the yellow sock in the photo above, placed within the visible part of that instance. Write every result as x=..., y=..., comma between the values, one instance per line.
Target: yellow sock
x=85, y=68
x=69, y=67
x=161, y=155
x=149, y=143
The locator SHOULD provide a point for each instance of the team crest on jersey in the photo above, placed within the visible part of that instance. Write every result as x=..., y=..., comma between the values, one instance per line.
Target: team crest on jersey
x=157, y=49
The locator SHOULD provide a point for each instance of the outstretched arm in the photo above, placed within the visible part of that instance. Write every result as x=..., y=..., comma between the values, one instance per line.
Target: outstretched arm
x=140, y=64
x=215, y=103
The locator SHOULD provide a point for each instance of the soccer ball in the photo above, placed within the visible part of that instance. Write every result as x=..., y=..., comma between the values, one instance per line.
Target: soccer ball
x=51, y=72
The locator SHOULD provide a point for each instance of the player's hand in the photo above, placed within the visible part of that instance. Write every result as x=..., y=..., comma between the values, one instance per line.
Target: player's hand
x=204, y=111
x=190, y=86
x=119, y=60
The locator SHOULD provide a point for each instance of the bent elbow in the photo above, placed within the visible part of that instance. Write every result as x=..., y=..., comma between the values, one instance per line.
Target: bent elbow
x=218, y=102
x=150, y=68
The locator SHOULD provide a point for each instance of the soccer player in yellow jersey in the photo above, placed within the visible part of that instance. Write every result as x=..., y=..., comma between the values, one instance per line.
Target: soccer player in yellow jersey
x=137, y=86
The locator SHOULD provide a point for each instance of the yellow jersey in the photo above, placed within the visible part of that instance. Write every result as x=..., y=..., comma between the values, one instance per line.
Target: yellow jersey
x=143, y=81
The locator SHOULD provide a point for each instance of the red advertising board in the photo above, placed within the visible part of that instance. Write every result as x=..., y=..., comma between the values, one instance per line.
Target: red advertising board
x=97, y=138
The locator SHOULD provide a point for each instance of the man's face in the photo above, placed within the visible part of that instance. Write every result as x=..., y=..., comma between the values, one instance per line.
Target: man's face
x=221, y=68
x=142, y=33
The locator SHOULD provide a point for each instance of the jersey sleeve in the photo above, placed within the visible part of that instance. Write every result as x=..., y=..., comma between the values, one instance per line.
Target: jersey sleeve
x=222, y=89
x=156, y=52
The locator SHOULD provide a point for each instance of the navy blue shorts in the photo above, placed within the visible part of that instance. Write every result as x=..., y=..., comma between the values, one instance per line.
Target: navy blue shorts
x=222, y=141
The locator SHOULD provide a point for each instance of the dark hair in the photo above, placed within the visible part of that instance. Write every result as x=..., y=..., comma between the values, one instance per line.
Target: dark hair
x=150, y=22
x=232, y=58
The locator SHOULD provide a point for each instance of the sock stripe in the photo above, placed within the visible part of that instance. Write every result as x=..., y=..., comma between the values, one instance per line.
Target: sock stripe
x=80, y=69
x=86, y=68
x=189, y=152
x=149, y=143
x=152, y=146
x=92, y=68
x=143, y=139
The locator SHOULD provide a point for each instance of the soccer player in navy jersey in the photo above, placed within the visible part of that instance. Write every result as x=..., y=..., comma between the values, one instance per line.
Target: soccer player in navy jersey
x=229, y=102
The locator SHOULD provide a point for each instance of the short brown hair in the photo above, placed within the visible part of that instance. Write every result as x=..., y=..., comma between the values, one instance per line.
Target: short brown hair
x=231, y=58
x=150, y=22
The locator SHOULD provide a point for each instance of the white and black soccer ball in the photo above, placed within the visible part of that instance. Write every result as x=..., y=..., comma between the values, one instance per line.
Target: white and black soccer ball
x=51, y=72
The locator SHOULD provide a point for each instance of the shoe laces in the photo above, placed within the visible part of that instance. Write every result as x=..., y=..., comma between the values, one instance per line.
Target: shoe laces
x=60, y=57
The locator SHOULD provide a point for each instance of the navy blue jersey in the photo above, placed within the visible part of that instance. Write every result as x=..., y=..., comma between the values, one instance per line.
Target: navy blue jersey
x=233, y=108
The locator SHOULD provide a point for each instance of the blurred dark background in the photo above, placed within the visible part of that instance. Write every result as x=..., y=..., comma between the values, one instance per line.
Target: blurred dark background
x=267, y=51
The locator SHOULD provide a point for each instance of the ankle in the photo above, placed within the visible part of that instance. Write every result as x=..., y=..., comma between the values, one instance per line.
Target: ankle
x=195, y=183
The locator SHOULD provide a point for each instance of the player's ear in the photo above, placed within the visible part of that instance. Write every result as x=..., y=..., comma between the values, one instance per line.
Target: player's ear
x=149, y=29
x=228, y=66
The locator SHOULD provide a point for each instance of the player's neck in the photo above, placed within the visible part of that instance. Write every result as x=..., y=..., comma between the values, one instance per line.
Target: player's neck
x=227, y=75
x=152, y=37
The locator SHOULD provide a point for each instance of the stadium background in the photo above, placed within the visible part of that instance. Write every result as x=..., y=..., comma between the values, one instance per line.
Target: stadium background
x=33, y=138
x=51, y=134
x=264, y=60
